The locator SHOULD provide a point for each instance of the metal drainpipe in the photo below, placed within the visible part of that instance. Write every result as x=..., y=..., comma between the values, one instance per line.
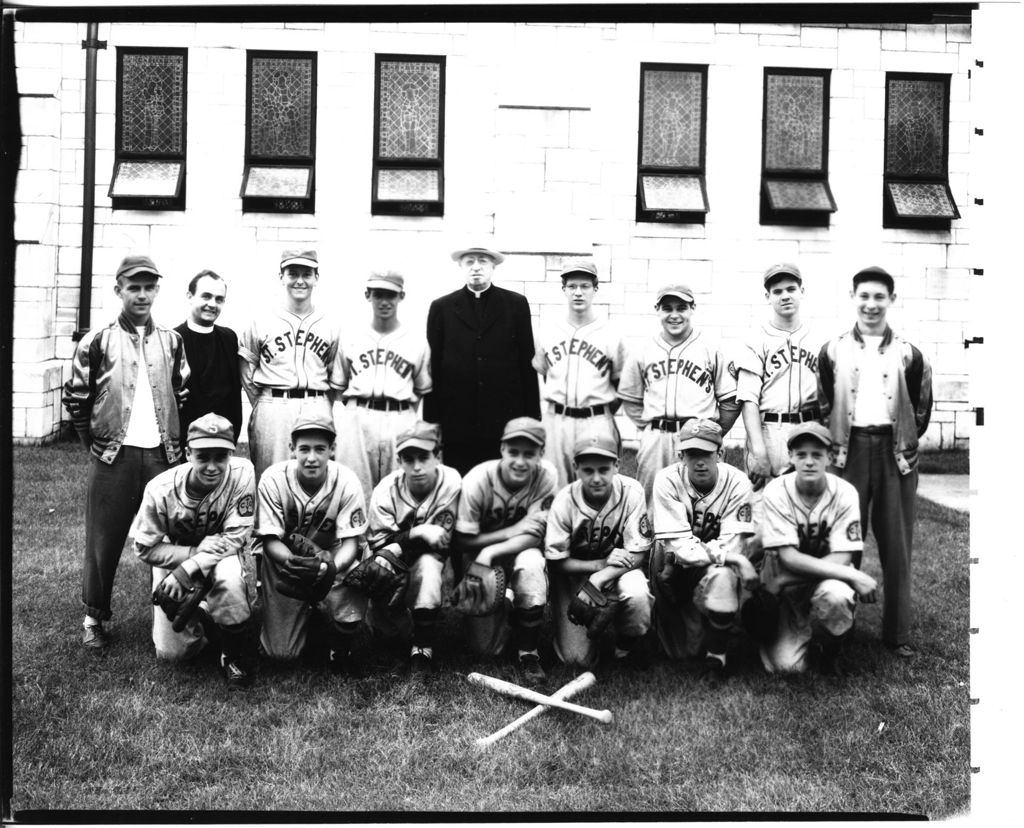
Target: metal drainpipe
x=91, y=44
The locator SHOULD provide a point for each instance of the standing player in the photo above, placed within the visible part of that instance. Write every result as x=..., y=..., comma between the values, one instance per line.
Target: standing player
x=310, y=510
x=194, y=522
x=127, y=383
x=388, y=369
x=812, y=538
x=701, y=512
x=291, y=361
x=598, y=541
x=501, y=523
x=876, y=388
x=412, y=515
x=212, y=351
x=675, y=376
x=580, y=358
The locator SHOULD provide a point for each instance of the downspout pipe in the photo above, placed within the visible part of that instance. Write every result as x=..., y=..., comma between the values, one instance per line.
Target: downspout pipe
x=91, y=44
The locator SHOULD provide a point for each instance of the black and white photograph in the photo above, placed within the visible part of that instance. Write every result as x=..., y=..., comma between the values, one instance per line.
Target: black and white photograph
x=536, y=412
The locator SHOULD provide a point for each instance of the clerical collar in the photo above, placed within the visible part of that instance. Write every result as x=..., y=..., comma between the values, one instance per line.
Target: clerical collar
x=478, y=293
x=192, y=326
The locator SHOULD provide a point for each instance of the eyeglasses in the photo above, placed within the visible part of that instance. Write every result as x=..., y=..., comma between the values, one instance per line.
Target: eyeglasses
x=577, y=288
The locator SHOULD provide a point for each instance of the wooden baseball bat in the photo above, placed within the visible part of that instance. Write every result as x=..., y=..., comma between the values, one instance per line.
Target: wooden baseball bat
x=509, y=689
x=577, y=685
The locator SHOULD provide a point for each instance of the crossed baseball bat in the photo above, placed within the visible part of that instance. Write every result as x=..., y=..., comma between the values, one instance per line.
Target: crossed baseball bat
x=544, y=703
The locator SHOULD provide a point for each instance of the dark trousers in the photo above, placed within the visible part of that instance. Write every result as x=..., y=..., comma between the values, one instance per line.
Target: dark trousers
x=113, y=496
x=891, y=498
x=464, y=455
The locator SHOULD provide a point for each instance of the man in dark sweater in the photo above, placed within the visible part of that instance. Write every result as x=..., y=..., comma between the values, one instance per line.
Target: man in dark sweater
x=212, y=353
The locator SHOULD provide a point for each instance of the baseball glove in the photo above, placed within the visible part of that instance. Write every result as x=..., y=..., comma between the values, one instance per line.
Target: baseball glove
x=382, y=576
x=480, y=591
x=302, y=546
x=306, y=578
x=592, y=609
x=179, y=613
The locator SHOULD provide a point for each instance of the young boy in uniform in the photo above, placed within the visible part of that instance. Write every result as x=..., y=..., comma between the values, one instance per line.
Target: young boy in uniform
x=501, y=523
x=701, y=513
x=812, y=538
x=597, y=544
x=193, y=524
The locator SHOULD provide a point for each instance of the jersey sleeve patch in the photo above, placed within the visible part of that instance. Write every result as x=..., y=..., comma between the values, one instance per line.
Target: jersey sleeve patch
x=745, y=513
x=732, y=370
x=853, y=531
x=358, y=518
x=546, y=503
x=444, y=519
x=646, y=531
x=246, y=505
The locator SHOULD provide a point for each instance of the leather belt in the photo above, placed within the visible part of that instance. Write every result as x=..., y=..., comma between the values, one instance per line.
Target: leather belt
x=295, y=393
x=875, y=429
x=799, y=417
x=382, y=403
x=579, y=413
x=669, y=425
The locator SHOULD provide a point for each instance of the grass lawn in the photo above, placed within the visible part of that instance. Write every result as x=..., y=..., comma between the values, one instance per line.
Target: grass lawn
x=121, y=731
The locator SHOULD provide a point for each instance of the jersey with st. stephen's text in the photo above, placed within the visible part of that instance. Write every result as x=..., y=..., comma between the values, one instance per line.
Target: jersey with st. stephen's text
x=291, y=351
x=394, y=364
x=778, y=369
x=579, y=531
x=581, y=365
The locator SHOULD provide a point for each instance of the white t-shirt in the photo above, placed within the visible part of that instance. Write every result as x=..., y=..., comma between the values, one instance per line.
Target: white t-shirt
x=870, y=407
x=143, y=431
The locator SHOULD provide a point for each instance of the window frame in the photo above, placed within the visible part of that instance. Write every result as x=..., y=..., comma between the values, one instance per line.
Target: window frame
x=770, y=214
x=699, y=172
x=273, y=203
x=174, y=202
x=407, y=206
x=891, y=217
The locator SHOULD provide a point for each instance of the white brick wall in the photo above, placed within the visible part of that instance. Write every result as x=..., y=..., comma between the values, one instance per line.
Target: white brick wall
x=554, y=179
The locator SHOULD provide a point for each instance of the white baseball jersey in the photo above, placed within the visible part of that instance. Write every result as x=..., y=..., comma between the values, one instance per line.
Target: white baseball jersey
x=788, y=521
x=679, y=510
x=678, y=381
x=581, y=365
x=778, y=369
x=487, y=505
x=577, y=530
x=394, y=364
x=335, y=512
x=292, y=351
x=170, y=514
x=393, y=509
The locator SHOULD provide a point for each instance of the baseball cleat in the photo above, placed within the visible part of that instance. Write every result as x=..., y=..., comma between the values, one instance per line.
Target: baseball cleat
x=530, y=667
x=715, y=669
x=421, y=662
x=95, y=637
x=905, y=651
x=237, y=678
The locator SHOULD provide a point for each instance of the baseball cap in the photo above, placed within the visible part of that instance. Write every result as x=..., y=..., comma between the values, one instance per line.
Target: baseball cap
x=313, y=421
x=494, y=254
x=874, y=274
x=600, y=444
x=814, y=430
x=300, y=257
x=389, y=280
x=579, y=267
x=680, y=291
x=422, y=435
x=525, y=427
x=134, y=265
x=781, y=271
x=699, y=434
x=211, y=431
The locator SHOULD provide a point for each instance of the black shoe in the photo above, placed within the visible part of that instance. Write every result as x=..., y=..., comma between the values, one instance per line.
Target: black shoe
x=421, y=663
x=634, y=661
x=530, y=667
x=902, y=651
x=341, y=664
x=715, y=670
x=238, y=678
x=95, y=637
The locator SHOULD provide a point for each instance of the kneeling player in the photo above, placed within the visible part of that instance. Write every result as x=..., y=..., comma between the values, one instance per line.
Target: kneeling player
x=194, y=521
x=308, y=524
x=412, y=515
x=501, y=523
x=597, y=543
x=811, y=535
x=701, y=513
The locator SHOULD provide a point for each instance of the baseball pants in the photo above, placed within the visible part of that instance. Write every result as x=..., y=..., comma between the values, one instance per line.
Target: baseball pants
x=366, y=441
x=562, y=432
x=828, y=605
x=424, y=592
x=633, y=619
x=270, y=426
x=527, y=580
x=286, y=619
x=113, y=496
x=657, y=450
x=891, y=498
x=774, y=436
x=703, y=595
x=227, y=603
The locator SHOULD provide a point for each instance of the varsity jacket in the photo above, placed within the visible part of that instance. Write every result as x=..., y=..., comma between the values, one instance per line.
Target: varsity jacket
x=104, y=371
x=906, y=381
